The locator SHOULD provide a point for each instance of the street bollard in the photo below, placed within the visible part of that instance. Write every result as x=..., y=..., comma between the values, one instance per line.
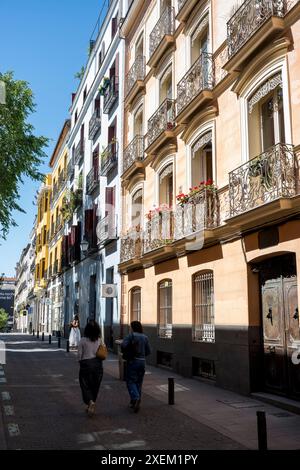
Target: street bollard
x=38, y=335
x=58, y=343
x=171, y=391
x=32, y=332
x=50, y=339
x=43, y=336
x=262, y=430
x=68, y=346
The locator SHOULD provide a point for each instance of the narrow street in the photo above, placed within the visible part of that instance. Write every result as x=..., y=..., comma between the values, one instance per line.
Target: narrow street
x=41, y=408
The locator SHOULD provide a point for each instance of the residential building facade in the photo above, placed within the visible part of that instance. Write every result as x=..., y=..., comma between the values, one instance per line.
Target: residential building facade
x=60, y=211
x=91, y=279
x=210, y=187
x=41, y=322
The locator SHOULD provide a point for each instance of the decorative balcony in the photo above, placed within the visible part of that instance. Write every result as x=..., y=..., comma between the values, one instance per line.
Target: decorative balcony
x=106, y=230
x=79, y=152
x=134, y=82
x=200, y=213
x=159, y=230
x=109, y=158
x=184, y=9
x=253, y=23
x=70, y=170
x=195, y=88
x=92, y=180
x=162, y=36
x=111, y=94
x=133, y=155
x=265, y=182
x=94, y=124
x=58, y=187
x=161, y=126
x=131, y=246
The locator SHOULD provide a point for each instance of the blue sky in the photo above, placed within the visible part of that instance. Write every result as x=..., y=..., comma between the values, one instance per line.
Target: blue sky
x=45, y=43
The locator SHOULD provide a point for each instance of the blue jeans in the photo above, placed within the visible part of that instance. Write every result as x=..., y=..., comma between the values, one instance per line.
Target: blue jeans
x=134, y=378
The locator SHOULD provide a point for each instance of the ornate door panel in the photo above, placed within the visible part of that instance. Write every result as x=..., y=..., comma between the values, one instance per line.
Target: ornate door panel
x=292, y=332
x=274, y=335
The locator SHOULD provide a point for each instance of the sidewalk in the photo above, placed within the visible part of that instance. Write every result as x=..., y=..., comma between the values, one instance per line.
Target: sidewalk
x=232, y=415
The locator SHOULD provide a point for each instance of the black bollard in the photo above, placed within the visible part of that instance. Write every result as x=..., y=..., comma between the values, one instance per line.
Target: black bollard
x=68, y=346
x=171, y=391
x=262, y=430
x=32, y=332
x=43, y=336
x=50, y=339
x=38, y=335
x=58, y=343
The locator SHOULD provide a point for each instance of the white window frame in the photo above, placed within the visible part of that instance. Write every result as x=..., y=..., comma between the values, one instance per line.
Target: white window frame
x=169, y=63
x=276, y=66
x=129, y=204
x=207, y=127
x=167, y=161
x=206, y=10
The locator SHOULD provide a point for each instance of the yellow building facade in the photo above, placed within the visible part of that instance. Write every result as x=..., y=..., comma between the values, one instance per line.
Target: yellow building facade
x=210, y=246
x=58, y=164
x=42, y=250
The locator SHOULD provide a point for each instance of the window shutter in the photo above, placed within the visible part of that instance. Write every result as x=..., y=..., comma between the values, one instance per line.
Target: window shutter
x=117, y=73
x=88, y=224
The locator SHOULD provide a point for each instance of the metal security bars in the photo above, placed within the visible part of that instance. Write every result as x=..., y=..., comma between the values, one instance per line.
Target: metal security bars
x=203, y=307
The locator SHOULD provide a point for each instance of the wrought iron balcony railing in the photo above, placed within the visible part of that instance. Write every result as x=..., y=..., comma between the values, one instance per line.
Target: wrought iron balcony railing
x=92, y=179
x=106, y=230
x=265, y=178
x=137, y=72
x=79, y=152
x=109, y=158
x=162, y=120
x=134, y=152
x=251, y=15
x=94, y=124
x=131, y=245
x=181, y=4
x=200, y=77
x=200, y=213
x=111, y=94
x=164, y=27
x=159, y=230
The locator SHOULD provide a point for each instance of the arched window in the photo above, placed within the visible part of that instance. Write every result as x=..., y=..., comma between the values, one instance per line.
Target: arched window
x=165, y=85
x=135, y=304
x=203, y=307
x=136, y=208
x=166, y=183
x=201, y=164
x=265, y=116
x=165, y=309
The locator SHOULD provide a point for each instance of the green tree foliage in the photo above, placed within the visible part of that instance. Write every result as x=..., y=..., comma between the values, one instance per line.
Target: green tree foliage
x=21, y=152
x=3, y=318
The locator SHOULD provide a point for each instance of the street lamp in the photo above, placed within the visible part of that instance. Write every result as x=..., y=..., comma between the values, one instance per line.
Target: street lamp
x=84, y=246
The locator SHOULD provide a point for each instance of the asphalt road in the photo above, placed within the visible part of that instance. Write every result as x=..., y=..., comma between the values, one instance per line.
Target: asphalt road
x=41, y=408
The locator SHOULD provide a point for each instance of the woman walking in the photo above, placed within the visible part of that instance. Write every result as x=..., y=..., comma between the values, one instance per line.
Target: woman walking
x=135, y=348
x=75, y=335
x=91, y=368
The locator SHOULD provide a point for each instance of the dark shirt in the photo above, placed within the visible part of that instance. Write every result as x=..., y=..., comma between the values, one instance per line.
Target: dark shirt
x=142, y=344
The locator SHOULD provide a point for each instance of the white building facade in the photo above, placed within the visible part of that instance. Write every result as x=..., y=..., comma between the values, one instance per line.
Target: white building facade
x=91, y=242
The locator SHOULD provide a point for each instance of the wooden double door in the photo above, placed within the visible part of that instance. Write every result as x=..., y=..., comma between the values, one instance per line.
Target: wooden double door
x=280, y=324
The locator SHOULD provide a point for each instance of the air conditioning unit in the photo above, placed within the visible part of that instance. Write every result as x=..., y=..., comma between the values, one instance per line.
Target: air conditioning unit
x=109, y=290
